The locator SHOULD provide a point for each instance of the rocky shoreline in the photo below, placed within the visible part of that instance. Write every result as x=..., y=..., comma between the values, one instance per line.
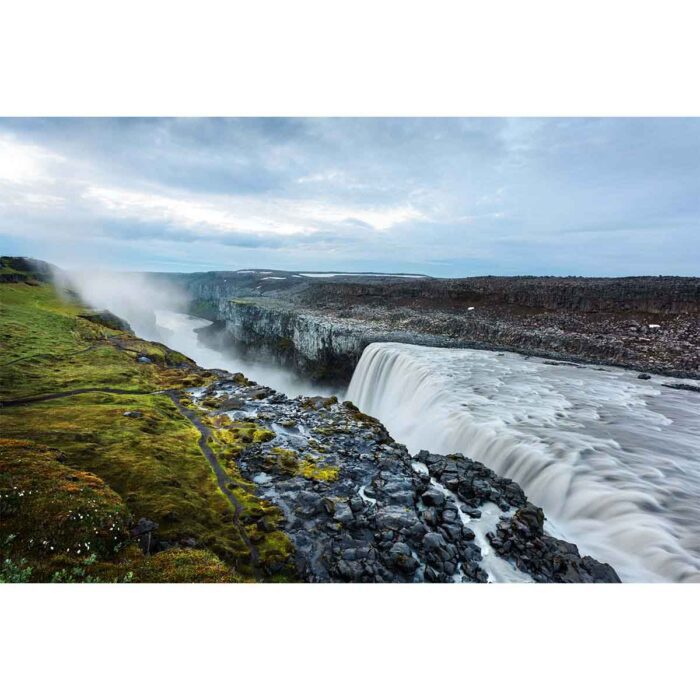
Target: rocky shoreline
x=359, y=508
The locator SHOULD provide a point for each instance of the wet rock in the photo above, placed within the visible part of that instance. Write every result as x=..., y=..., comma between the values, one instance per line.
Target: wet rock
x=395, y=518
x=343, y=513
x=355, y=509
x=433, y=541
x=401, y=558
x=453, y=533
x=683, y=387
x=432, y=497
x=522, y=541
x=356, y=504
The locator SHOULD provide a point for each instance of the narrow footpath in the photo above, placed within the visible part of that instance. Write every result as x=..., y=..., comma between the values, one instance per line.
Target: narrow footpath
x=222, y=478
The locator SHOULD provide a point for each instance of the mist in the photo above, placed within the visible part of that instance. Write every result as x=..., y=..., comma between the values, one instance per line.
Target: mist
x=157, y=310
x=134, y=297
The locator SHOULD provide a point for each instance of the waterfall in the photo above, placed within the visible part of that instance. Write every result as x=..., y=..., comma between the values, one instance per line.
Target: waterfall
x=611, y=458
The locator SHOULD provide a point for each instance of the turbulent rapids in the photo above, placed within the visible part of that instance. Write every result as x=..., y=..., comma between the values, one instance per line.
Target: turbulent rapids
x=611, y=458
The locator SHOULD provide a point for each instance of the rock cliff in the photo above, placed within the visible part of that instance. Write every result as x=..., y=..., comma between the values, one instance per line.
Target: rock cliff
x=321, y=325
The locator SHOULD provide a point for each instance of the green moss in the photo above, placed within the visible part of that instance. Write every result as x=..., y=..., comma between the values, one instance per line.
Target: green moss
x=333, y=430
x=316, y=403
x=184, y=566
x=289, y=462
x=357, y=415
x=248, y=432
x=64, y=525
x=153, y=462
x=51, y=509
x=47, y=347
x=151, y=465
x=262, y=521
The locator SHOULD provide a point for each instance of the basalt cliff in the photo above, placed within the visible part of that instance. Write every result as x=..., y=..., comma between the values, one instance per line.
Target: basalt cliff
x=320, y=324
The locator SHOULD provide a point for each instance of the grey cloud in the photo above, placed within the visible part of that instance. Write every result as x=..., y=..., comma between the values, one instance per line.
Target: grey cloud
x=522, y=195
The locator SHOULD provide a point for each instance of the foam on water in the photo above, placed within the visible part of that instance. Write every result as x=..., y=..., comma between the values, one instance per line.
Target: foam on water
x=611, y=458
x=497, y=569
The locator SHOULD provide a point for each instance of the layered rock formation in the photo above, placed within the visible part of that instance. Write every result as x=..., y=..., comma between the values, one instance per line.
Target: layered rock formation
x=322, y=325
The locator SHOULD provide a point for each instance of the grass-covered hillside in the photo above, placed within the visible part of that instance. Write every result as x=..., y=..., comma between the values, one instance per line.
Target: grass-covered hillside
x=89, y=446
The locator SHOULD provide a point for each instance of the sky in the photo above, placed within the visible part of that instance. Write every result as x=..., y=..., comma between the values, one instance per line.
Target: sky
x=444, y=197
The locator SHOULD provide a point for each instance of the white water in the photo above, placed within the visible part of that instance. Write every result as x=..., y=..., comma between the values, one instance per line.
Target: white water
x=612, y=459
x=497, y=569
x=177, y=331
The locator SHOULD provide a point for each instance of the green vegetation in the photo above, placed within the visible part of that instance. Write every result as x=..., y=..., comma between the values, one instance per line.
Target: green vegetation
x=10, y=273
x=64, y=525
x=129, y=456
x=152, y=460
x=261, y=519
x=316, y=403
x=289, y=462
x=184, y=566
x=48, y=347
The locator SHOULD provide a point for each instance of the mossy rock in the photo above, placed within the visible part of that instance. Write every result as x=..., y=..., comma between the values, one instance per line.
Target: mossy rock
x=291, y=463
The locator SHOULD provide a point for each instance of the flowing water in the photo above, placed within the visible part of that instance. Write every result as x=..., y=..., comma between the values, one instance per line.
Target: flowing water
x=612, y=459
x=177, y=331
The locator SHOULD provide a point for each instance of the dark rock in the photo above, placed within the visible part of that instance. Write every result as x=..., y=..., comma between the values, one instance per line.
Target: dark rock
x=401, y=528
x=433, y=497
x=433, y=541
x=343, y=513
x=401, y=558
x=143, y=533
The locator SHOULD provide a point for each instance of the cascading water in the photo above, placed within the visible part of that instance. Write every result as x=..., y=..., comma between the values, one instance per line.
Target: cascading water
x=177, y=330
x=611, y=458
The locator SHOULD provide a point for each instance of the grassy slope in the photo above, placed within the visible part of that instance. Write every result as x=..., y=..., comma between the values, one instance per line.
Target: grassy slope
x=46, y=346
x=62, y=524
x=152, y=462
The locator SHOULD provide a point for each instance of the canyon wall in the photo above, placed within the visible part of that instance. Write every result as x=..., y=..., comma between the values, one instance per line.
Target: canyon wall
x=321, y=326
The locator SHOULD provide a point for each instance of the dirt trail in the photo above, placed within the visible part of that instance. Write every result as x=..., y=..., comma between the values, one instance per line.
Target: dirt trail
x=74, y=392
x=222, y=478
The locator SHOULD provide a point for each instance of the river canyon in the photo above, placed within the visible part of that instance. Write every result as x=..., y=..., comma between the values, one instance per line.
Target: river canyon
x=610, y=457
x=609, y=453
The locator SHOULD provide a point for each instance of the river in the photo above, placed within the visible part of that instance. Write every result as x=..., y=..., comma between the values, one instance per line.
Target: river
x=611, y=458
x=177, y=330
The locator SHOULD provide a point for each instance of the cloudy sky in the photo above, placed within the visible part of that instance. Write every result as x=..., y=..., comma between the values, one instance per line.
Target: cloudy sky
x=446, y=197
